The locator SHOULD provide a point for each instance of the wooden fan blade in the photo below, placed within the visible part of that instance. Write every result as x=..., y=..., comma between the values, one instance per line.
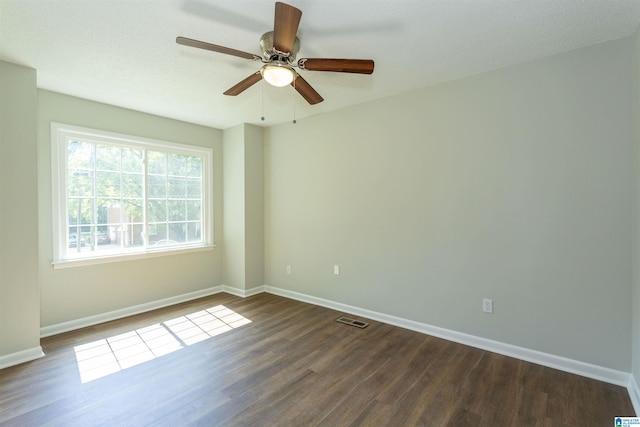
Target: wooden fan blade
x=244, y=84
x=285, y=26
x=306, y=90
x=215, y=48
x=359, y=66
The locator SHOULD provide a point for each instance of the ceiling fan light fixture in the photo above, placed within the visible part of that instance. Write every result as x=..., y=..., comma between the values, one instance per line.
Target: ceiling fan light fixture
x=278, y=74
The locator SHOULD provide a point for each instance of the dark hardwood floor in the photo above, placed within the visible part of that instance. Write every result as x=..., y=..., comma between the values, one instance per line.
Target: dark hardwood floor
x=270, y=361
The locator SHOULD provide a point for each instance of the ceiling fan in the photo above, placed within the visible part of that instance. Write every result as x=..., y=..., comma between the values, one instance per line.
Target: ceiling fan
x=279, y=49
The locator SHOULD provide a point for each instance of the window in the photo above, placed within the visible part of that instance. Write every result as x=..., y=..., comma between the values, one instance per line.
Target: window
x=118, y=196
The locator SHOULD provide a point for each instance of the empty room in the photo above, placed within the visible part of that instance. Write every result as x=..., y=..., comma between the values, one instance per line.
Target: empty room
x=403, y=213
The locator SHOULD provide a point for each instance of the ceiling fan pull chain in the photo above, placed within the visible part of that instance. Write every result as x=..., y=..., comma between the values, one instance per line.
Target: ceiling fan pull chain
x=294, y=103
x=262, y=100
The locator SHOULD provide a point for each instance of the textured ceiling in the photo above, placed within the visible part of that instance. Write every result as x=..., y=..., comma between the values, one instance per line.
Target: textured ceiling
x=123, y=52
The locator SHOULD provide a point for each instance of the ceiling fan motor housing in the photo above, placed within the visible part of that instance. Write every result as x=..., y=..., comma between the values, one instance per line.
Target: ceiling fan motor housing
x=269, y=53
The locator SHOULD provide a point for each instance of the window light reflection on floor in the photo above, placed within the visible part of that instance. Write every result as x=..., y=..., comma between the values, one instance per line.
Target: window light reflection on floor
x=107, y=356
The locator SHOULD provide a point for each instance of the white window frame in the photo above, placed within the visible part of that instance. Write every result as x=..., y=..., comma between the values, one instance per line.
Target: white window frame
x=60, y=135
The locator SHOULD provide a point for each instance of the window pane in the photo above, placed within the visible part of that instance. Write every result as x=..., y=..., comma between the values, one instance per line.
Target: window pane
x=114, y=212
x=131, y=234
x=157, y=186
x=108, y=184
x=193, y=231
x=79, y=155
x=79, y=183
x=152, y=229
x=75, y=239
x=133, y=210
x=194, y=189
x=194, y=210
x=177, y=187
x=158, y=234
x=177, y=165
x=176, y=210
x=72, y=211
x=132, y=159
x=157, y=210
x=157, y=162
x=194, y=167
x=101, y=211
x=177, y=232
x=132, y=185
x=108, y=158
x=79, y=211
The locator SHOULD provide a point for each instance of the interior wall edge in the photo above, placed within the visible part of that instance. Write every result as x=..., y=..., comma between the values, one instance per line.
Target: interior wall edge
x=572, y=366
x=242, y=293
x=22, y=356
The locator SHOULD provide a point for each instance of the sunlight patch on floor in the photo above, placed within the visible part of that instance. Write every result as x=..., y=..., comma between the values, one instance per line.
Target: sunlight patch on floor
x=110, y=355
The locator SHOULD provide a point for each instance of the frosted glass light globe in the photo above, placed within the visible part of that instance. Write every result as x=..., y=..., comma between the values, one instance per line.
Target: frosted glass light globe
x=277, y=74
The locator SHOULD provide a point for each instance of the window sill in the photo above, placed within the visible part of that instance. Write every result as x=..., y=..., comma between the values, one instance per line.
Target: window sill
x=80, y=262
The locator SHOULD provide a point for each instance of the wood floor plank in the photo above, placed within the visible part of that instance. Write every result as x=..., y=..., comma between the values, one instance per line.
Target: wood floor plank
x=425, y=355
x=287, y=363
x=376, y=413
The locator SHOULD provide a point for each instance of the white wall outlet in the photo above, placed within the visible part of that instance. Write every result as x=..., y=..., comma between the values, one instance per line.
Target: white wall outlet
x=288, y=269
x=336, y=269
x=487, y=305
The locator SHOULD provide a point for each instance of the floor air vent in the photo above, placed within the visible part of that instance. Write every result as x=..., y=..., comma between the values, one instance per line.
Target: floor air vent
x=356, y=323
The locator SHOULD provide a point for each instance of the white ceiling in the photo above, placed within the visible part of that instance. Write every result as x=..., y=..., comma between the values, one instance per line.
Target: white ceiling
x=123, y=52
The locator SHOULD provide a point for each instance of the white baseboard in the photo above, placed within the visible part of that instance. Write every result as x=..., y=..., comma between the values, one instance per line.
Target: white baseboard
x=124, y=312
x=552, y=361
x=634, y=394
x=242, y=293
x=21, y=357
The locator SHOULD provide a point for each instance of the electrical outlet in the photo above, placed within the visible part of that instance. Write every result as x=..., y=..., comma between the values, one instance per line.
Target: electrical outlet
x=336, y=269
x=487, y=305
x=288, y=269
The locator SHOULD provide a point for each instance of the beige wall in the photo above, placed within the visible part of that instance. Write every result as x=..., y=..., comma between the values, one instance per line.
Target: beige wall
x=74, y=293
x=254, y=206
x=19, y=287
x=233, y=209
x=513, y=185
x=243, y=207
